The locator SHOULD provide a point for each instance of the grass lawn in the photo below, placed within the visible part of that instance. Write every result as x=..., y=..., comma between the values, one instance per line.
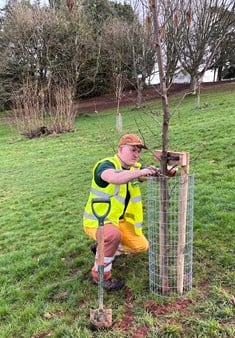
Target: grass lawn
x=45, y=261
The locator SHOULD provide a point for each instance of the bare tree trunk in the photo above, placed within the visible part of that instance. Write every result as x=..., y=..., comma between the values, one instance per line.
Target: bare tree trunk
x=164, y=221
x=140, y=88
x=198, y=103
x=219, y=74
x=196, y=88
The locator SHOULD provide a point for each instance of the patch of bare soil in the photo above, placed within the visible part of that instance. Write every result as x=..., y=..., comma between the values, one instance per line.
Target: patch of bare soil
x=107, y=101
x=126, y=324
x=161, y=309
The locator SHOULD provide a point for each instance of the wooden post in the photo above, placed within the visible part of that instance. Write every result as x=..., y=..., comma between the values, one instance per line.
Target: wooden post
x=183, y=197
x=180, y=159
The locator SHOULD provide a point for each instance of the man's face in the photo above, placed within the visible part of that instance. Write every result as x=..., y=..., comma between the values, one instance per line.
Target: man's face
x=129, y=154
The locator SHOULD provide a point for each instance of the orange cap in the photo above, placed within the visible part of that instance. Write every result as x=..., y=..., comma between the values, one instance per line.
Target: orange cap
x=131, y=139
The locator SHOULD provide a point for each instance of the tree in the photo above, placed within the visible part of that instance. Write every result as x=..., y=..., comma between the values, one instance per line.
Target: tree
x=47, y=46
x=143, y=57
x=57, y=44
x=164, y=222
x=47, y=54
x=169, y=34
x=111, y=24
x=204, y=25
x=224, y=61
x=129, y=52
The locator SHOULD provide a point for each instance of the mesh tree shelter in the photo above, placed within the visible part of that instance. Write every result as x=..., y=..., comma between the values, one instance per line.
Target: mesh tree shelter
x=170, y=229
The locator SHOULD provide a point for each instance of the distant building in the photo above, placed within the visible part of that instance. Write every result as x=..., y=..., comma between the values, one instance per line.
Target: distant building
x=183, y=77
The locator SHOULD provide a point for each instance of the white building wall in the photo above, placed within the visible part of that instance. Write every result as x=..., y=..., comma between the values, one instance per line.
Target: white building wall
x=182, y=78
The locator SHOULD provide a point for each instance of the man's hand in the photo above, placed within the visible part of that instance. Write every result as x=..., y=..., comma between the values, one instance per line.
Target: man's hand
x=149, y=171
x=153, y=171
x=171, y=171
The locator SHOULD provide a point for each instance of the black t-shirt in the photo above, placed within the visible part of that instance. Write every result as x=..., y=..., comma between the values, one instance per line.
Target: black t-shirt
x=98, y=172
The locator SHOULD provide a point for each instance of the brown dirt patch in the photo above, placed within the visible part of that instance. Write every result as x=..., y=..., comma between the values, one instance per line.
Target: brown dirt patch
x=126, y=324
x=141, y=332
x=127, y=321
x=161, y=309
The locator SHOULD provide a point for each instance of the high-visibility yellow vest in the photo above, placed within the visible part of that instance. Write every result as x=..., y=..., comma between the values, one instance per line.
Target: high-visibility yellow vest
x=117, y=194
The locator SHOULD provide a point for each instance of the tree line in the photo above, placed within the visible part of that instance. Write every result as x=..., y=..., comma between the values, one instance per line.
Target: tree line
x=89, y=45
x=84, y=46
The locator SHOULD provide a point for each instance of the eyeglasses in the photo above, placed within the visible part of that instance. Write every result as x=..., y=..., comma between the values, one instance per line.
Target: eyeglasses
x=134, y=149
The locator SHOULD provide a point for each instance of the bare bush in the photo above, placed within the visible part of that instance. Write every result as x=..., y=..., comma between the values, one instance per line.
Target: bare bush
x=61, y=115
x=47, y=112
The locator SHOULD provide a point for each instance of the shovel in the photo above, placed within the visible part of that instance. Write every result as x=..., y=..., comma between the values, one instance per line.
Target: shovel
x=101, y=317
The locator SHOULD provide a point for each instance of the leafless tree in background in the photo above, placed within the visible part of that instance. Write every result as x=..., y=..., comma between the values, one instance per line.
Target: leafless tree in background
x=191, y=33
x=130, y=52
x=204, y=25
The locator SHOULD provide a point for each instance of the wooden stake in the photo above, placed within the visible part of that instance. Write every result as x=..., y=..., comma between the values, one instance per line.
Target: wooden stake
x=183, y=198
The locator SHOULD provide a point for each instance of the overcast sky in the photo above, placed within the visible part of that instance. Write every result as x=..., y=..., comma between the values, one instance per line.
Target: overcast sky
x=2, y=3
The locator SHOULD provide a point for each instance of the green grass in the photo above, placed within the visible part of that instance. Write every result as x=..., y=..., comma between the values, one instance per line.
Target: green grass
x=45, y=284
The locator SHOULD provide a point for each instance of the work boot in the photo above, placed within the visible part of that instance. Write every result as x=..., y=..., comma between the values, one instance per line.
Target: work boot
x=112, y=284
x=93, y=248
x=109, y=283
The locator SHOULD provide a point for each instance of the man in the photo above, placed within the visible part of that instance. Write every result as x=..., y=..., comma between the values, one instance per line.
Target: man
x=117, y=178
